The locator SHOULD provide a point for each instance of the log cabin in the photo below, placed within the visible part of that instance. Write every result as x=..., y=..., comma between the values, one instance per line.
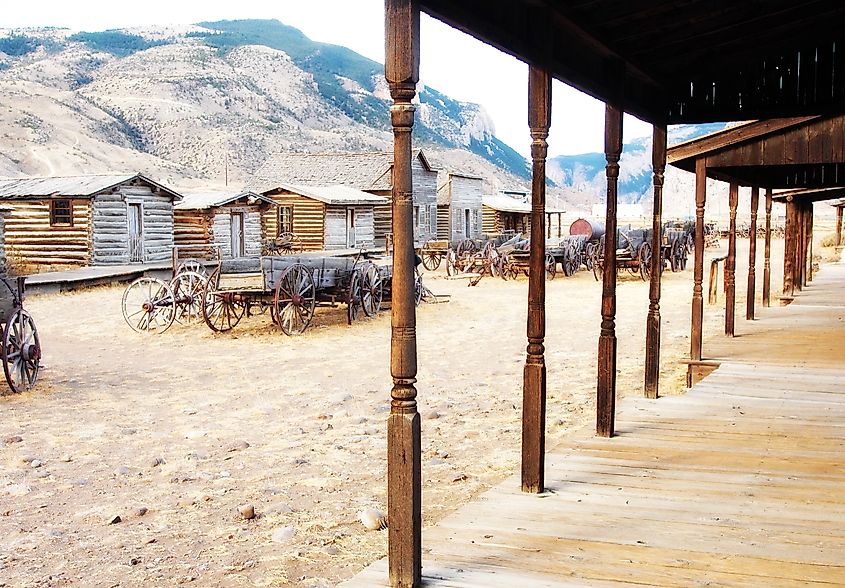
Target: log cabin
x=459, y=206
x=231, y=223
x=370, y=172
x=505, y=213
x=324, y=217
x=64, y=222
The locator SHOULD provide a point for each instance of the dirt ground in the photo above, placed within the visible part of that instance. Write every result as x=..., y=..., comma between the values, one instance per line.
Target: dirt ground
x=173, y=433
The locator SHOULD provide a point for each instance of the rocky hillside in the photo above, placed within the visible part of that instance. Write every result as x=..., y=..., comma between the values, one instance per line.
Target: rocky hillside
x=209, y=103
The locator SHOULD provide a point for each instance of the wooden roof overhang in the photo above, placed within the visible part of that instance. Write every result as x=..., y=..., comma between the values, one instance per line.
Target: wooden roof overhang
x=799, y=152
x=817, y=195
x=671, y=62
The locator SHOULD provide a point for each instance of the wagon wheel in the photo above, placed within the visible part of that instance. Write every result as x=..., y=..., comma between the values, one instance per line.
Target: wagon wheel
x=295, y=299
x=598, y=267
x=288, y=243
x=353, y=296
x=192, y=265
x=644, y=257
x=188, y=290
x=21, y=351
x=451, y=260
x=589, y=255
x=372, y=290
x=419, y=289
x=148, y=305
x=550, y=266
x=682, y=257
x=221, y=310
x=430, y=259
x=466, y=246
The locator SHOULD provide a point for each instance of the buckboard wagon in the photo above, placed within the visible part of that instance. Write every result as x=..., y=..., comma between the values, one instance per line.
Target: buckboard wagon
x=292, y=287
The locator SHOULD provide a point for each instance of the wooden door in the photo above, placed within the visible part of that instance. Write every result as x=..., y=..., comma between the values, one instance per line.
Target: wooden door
x=135, y=216
x=237, y=234
x=350, y=227
x=467, y=224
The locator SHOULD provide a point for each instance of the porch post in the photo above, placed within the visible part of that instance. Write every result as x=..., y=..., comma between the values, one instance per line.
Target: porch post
x=698, y=269
x=606, y=381
x=752, y=255
x=839, y=225
x=810, y=242
x=767, y=252
x=730, y=269
x=404, y=504
x=789, y=241
x=534, y=372
x=652, y=327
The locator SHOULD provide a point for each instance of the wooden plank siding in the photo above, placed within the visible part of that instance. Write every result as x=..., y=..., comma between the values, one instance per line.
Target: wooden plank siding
x=109, y=234
x=32, y=245
x=308, y=218
x=336, y=231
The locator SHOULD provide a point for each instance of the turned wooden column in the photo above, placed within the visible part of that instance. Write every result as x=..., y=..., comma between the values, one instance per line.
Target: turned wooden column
x=730, y=264
x=767, y=252
x=789, y=241
x=534, y=372
x=652, y=325
x=752, y=255
x=404, y=488
x=698, y=260
x=606, y=381
x=809, y=242
x=838, y=226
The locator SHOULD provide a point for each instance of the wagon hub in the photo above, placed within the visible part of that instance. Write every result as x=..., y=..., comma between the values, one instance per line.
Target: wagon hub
x=31, y=351
x=297, y=300
x=147, y=306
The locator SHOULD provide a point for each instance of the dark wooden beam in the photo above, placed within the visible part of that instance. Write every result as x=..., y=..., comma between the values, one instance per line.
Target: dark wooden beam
x=752, y=255
x=698, y=260
x=534, y=372
x=730, y=265
x=767, y=253
x=606, y=381
x=652, y=329
x=404, y=477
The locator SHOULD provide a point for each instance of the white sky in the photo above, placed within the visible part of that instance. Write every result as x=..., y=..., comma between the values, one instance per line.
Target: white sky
x=450, y=61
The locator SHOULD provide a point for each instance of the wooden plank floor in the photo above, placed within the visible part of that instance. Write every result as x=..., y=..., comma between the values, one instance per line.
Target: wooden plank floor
x=739, y=482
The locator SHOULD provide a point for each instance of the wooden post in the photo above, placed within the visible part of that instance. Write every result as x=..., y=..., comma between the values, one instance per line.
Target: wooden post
x=752, y=255
x=534, y=372
x=801, y=250
x=730, y=269
x=767, y=252
x=559, y=227
x=652, y=326
x=839, y=225
x=789, y=241
x=810, y=242
x=698, y=269
x=404, y=488
x=606, y=381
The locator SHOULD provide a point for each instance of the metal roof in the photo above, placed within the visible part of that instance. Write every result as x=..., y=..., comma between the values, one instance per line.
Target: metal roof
x=205, y=200
x=508, y=204
x=70, y=186
x=333, y=195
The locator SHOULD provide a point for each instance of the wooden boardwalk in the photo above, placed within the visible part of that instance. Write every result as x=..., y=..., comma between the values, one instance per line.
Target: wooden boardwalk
x=739, y=482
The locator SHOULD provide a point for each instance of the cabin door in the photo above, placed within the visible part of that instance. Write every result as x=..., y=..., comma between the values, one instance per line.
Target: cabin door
x=467, y=223
x=238, y=234
x=350, y=227
x=135, y=215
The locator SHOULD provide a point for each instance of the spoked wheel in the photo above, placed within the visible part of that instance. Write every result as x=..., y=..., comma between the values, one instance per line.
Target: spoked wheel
x=644, y=257
x=451, y=261
x=550, y=266
x=21, y=351
x=598, y=269
x=192, y=265
x=295, y=299
x=288, y=243
x=149, y=305
x=466, y=246
x=372, y=290
x=188, y=288
x=430, y=259
x=419, y=289
x=353, y=297
x=589, y=255
x=221, y=310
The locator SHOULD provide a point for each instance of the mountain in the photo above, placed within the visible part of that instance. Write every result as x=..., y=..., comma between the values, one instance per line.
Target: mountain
x=208, y=102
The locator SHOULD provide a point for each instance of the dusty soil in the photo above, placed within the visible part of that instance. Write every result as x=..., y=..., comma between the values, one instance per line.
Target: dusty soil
x=173, y=433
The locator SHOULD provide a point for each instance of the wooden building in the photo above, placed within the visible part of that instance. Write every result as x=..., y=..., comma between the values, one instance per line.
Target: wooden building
x=324, y=217
x=503, y=213
x=72, y=221
x=370, y=172
x=231, y=223
x=459, y=206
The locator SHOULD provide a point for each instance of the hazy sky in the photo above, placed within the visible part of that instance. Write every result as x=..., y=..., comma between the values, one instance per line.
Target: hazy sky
x=451, y=61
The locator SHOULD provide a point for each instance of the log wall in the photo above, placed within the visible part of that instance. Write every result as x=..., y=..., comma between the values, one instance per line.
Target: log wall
x=110, y=239
x=308, y=215
x=32, y=245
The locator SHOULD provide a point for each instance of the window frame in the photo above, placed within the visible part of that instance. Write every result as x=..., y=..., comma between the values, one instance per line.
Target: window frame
x=280, y=216
x=66, y=214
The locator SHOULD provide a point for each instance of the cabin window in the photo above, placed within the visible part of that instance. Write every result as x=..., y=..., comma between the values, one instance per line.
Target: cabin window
x=416, y=217
x=61, y=213
x=285, y=219
x=432, y=218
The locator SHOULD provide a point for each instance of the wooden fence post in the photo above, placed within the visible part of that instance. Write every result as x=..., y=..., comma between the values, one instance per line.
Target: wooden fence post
x=652, y=329
x=534, y=373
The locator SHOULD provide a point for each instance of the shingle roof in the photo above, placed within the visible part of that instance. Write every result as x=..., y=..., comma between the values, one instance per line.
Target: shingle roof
x=336, y=195
x=70, y=186
x=204, y=200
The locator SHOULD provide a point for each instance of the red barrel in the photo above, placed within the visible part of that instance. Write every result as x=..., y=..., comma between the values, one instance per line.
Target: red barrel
x=592, y=229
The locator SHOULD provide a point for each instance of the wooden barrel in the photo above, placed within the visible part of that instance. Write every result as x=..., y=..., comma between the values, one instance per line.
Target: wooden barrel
x=592, y=229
